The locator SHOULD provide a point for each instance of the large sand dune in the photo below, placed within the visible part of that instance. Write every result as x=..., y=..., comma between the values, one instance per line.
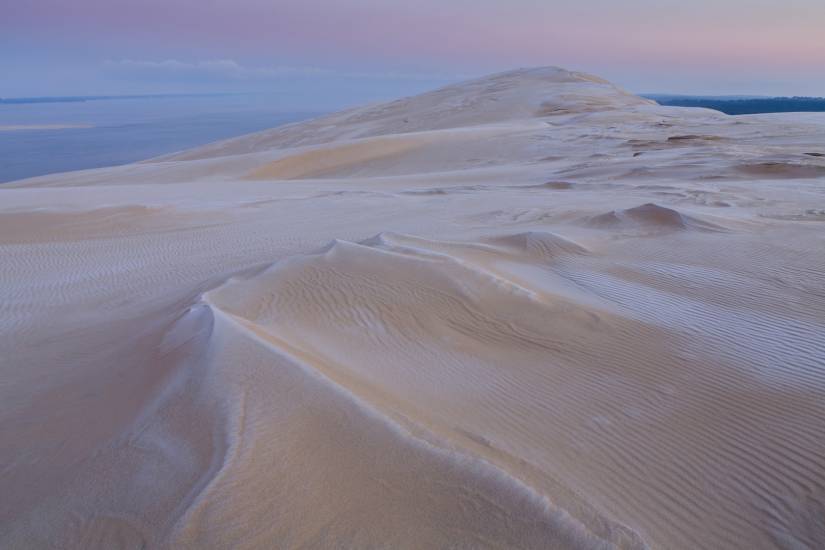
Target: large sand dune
x=528, y=311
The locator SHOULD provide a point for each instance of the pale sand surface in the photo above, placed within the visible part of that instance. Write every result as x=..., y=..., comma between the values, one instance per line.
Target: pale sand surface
x=529, y=311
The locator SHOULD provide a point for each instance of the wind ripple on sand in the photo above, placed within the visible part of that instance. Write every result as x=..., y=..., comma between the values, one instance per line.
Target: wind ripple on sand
x=276, y=482
x=483, y=342
x=538, y=328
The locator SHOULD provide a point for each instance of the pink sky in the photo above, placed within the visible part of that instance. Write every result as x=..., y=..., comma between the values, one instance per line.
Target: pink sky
x=722, y=46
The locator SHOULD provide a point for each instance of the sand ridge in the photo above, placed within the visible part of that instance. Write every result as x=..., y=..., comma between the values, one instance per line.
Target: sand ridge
x=527, y=311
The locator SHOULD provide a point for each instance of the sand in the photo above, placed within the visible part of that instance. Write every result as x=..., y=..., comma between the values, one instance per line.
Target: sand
x=528, y=311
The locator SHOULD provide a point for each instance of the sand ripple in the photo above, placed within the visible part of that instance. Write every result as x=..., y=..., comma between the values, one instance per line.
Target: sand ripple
x=528, y=311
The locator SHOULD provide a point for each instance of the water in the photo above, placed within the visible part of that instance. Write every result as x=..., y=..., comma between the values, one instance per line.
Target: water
x=126, y=130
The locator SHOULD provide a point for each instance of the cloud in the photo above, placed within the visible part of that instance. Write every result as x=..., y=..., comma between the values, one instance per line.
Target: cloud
x=228, y=70
x=218, y=69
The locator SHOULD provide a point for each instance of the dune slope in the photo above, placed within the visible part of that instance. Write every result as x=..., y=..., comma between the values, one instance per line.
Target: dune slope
x=527, y=311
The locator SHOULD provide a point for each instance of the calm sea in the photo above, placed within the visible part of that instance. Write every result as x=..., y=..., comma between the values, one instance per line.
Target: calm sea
x=125, y=130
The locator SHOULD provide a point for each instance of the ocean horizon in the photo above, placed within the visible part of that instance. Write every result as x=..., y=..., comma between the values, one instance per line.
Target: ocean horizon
x=40, y=136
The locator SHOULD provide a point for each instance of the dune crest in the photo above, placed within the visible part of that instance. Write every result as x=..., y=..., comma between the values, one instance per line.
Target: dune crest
x=651, y=217
x=531, y=310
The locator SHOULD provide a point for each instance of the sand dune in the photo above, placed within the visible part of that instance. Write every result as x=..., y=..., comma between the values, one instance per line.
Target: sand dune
x=650, y=217
x=527, y=311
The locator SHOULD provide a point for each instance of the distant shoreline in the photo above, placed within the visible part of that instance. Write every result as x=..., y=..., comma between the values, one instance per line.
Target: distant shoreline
x=24, y=127
x=82, y=99
x=744, y=105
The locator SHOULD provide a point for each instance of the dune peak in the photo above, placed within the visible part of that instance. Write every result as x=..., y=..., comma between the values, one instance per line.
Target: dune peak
x=516, y=95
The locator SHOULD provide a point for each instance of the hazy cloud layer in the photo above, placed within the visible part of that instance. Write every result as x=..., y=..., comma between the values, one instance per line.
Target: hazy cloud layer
x=217, y=69
x=227, y=70
x=702, y=46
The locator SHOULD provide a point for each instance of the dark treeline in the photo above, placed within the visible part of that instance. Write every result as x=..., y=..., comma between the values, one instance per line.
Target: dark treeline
x=751, y=106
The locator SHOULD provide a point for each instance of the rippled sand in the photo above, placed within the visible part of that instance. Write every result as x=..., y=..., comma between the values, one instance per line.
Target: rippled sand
x=528, y=311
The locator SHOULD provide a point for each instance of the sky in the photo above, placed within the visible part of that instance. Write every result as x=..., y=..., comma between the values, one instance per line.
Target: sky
x=331, y=53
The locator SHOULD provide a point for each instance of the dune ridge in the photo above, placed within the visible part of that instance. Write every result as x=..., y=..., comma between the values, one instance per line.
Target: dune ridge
x=527, y=311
